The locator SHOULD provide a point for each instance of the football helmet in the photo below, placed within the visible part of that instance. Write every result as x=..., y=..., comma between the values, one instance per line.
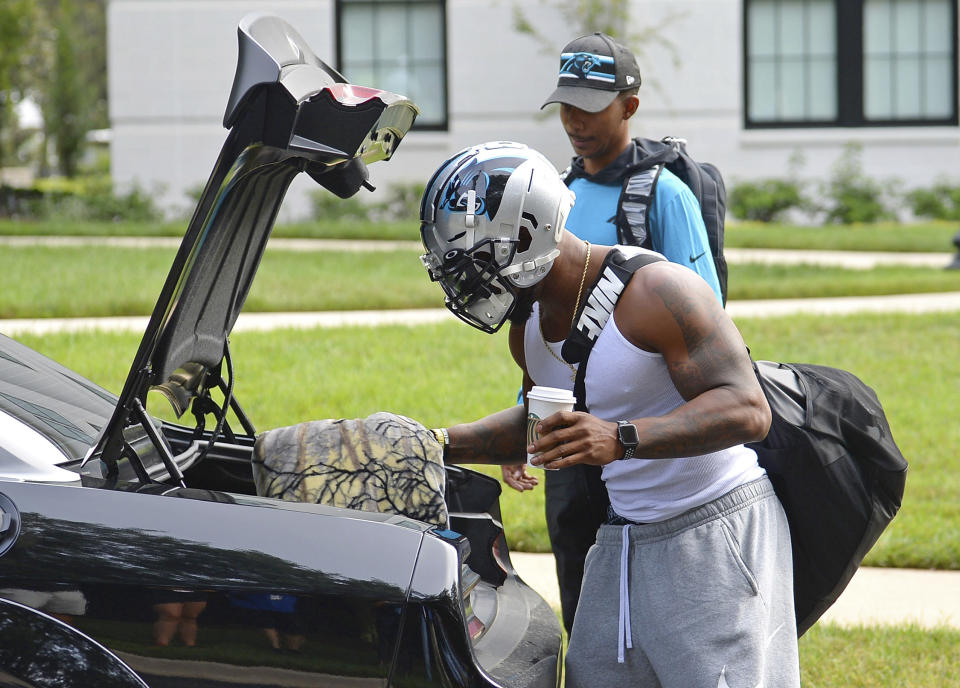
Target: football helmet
x=491, y=220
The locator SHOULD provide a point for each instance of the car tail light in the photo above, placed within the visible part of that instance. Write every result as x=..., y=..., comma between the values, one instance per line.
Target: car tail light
x=350, y=94
x=478, y=601
x=468, y=586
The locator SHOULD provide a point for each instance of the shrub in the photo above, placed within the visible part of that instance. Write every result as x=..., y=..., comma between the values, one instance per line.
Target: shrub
x=19, y=203
x=851, y=195
x=941, y=202
x=402, y=202
x=100, y=202
x=764, y=200
x=90, y=199
x=330, y=207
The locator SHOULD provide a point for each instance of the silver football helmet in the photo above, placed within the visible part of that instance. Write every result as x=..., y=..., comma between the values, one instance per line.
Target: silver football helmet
x=491, y=219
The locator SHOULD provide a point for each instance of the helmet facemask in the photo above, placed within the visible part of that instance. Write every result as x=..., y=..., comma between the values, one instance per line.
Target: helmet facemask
x=471, y=281
x=492, y=217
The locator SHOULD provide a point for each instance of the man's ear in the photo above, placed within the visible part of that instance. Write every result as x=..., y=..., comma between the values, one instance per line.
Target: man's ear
x=630, y=105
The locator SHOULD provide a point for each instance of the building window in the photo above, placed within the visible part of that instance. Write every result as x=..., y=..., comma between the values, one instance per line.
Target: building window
x=398, y=46
x=850, y=62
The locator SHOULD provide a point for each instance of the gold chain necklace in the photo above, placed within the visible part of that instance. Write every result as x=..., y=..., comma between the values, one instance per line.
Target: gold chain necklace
x=573, y=320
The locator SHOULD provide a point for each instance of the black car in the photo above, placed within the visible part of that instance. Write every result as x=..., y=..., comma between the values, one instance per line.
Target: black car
x=136, y=552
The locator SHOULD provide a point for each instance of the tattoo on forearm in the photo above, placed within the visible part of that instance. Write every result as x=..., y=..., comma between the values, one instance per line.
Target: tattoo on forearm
x=493, y=446
x=692, y=436
x=496, y=439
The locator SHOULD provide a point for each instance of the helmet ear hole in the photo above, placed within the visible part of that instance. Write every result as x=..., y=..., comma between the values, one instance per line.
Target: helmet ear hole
x=524, y=239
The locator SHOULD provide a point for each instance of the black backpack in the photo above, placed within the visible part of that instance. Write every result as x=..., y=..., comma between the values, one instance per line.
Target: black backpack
x=829, y=453
x=639, y=186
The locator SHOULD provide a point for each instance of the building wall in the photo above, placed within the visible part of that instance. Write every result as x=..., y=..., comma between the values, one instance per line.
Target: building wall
x=171, y=66
x=170, y=70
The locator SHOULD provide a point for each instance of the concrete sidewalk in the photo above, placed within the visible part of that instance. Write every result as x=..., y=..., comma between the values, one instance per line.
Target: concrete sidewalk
x=874, y=596
x=856, y=260
x=247, y=322
x=278, y=243
x=908, y=303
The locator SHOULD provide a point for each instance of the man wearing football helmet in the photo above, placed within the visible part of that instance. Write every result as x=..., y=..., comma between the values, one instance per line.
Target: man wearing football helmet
x=696, y=536
x=492, y=220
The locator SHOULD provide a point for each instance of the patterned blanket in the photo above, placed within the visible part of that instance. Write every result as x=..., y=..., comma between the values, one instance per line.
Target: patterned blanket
x=385, y=463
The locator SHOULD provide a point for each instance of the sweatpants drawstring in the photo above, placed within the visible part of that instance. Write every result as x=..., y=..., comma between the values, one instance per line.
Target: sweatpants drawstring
x=626, y=636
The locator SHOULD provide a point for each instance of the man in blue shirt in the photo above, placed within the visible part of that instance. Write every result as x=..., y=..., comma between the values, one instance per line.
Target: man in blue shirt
x=597, y=91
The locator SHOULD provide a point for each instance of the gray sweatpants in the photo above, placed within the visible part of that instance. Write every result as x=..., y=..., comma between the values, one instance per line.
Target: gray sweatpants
x=702, y=600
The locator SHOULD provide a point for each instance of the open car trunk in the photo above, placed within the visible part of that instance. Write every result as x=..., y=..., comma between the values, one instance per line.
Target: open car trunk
x=447, y=606
x=288, y=113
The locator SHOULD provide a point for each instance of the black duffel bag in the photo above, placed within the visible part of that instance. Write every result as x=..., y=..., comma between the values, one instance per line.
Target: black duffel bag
x=837, y=471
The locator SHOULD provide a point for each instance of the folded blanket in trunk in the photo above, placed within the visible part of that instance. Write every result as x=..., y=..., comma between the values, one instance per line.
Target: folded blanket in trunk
x=385, y=463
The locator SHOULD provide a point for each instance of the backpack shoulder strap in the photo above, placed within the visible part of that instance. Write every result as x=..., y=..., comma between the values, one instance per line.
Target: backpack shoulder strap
x=634, y=205
x=596, y=309
x=639, y=186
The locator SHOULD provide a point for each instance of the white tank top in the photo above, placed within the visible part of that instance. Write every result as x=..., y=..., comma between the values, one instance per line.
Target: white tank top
x=544, y=369
x=625, y=382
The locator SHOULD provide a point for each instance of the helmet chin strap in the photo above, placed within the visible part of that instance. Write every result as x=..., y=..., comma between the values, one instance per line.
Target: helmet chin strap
x=521, y=273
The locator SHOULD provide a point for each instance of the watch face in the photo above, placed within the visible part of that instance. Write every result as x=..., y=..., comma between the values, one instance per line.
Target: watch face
x=629, y=437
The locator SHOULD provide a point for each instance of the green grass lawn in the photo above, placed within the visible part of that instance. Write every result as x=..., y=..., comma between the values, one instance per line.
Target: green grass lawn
x=72, y=228
x=99, y=281
x=756, y=281
x=446, y=373
x=930, y=236
x=407, y=230
x=933, y=236
x=880, y=657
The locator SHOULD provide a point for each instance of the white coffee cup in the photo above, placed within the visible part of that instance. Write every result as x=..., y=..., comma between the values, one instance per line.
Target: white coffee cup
x=541, y=403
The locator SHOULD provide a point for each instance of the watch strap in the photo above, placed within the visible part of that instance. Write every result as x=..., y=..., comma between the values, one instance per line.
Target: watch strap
x=629, y=446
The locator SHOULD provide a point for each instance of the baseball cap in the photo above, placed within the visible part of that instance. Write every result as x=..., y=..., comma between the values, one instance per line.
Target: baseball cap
x=593, y=70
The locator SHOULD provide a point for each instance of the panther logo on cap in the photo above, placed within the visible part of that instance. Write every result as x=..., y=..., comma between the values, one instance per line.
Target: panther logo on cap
x=587, y=66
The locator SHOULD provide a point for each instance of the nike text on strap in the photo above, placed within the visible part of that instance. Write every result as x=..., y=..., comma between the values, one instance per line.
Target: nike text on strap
x=635, y=200
x=597, y=308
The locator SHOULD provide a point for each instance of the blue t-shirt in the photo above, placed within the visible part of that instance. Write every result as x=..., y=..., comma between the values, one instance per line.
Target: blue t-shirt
x=675, y=223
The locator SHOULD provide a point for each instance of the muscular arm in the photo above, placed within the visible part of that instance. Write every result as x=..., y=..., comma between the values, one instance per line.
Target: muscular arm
x=500, y=438
x=666, y=309
x=708, y=363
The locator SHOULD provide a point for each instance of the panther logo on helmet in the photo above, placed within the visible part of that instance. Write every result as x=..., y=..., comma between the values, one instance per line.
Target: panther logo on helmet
x=457, y=194
x=491, y=219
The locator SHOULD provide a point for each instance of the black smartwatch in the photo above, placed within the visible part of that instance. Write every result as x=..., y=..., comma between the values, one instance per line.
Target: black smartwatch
x=628, y=436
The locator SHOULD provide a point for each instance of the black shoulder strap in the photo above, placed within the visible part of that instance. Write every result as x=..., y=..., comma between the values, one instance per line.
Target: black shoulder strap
x=639, y=187
x=633, y=207
x=596, y=309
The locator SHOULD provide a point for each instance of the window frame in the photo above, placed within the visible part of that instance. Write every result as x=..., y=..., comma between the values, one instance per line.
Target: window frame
x=849, y=77
x=418, y=125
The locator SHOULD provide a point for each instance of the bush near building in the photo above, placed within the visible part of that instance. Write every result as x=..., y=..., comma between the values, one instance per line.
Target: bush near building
x=848, y=196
